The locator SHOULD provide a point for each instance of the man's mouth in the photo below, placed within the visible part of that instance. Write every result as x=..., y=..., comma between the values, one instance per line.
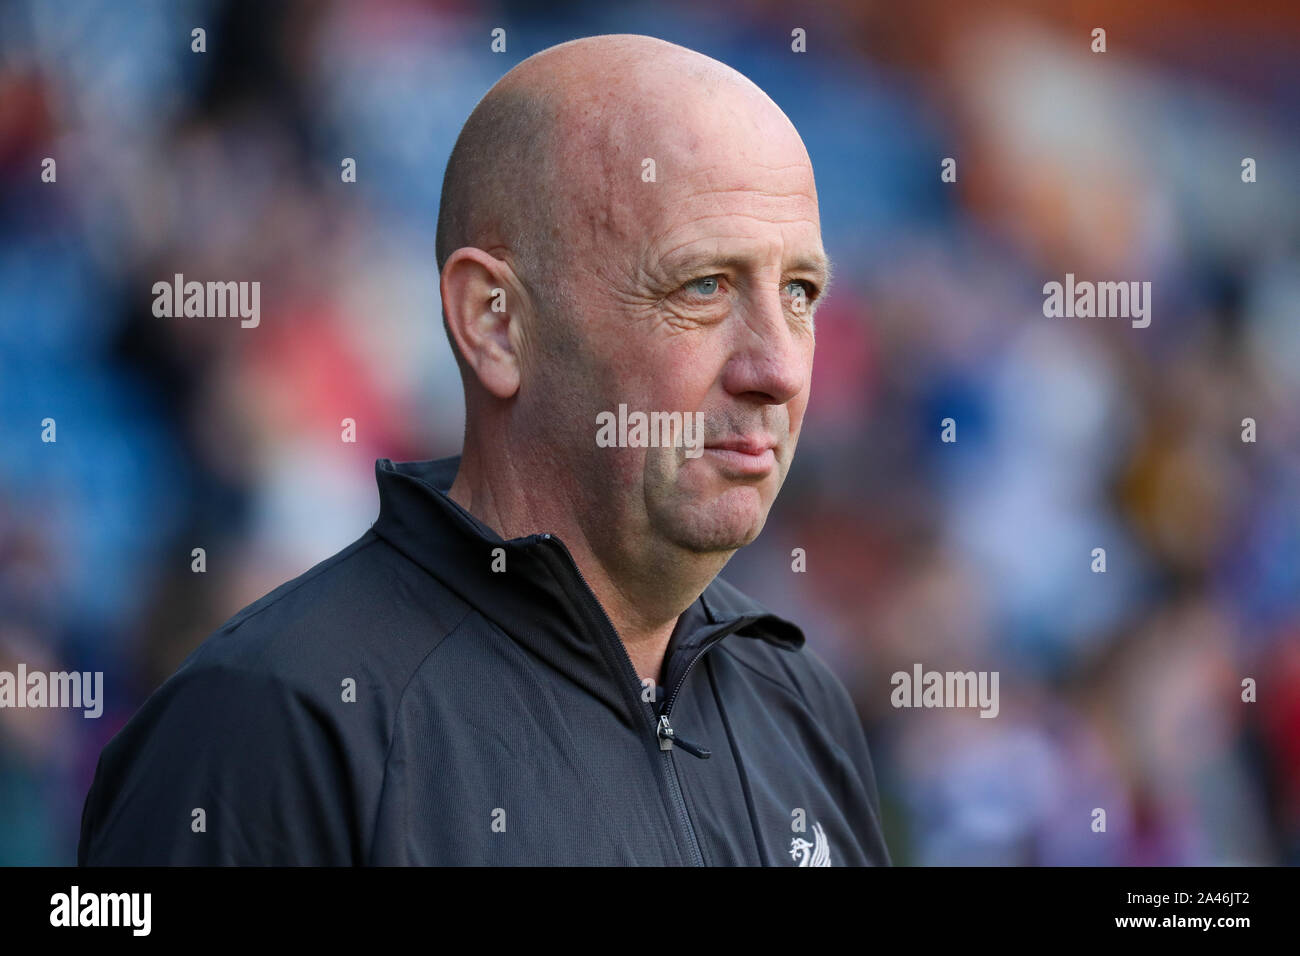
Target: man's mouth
x=744, y=456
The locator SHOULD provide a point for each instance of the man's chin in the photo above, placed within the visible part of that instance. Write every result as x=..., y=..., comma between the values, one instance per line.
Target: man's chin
x=728, y=522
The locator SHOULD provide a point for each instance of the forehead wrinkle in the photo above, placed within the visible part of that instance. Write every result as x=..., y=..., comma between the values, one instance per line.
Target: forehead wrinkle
x=705, y=217
x=747, y=167
x=699, y=194
x=667, y=229
x=760, y=193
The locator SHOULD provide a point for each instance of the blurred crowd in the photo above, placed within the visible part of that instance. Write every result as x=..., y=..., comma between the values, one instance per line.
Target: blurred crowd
x=1119, y=690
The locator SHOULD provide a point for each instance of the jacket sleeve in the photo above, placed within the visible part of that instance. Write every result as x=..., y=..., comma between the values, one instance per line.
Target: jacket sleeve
x=842, y=717
x=221, y=766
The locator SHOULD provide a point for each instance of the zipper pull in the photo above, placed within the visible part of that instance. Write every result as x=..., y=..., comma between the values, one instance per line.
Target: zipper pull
x=668, y=736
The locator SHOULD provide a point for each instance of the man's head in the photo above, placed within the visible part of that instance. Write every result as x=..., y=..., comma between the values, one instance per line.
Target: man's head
x=651, y=220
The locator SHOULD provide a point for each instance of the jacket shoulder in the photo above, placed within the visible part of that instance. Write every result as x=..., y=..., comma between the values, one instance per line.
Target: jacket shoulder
x=276, y=726
x=366, y=611
x=222, y=766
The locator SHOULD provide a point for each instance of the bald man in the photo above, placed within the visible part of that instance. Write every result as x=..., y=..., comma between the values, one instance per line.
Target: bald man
x=529, y=657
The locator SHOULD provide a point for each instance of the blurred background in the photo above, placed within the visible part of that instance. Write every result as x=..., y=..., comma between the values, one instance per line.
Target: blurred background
x=1119, y=690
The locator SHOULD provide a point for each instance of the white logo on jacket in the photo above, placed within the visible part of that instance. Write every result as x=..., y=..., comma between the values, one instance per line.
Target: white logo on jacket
x=817, y=853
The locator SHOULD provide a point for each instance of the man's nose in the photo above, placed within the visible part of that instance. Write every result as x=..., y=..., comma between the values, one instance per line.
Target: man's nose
x=771, y=351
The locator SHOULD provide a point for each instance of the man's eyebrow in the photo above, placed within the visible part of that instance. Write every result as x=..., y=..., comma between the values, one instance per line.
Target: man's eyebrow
x=818, y=264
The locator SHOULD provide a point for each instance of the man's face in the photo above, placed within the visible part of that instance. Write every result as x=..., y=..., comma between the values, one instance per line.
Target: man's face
x=695, y=293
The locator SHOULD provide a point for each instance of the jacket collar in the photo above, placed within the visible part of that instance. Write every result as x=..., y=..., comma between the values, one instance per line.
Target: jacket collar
x=541, y=600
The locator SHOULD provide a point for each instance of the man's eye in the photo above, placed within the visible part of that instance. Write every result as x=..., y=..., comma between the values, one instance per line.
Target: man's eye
x=801, y=294
x=703, y=286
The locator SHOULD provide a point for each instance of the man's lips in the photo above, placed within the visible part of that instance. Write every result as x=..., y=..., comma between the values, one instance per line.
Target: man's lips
x=745, y=455
x=755, y=445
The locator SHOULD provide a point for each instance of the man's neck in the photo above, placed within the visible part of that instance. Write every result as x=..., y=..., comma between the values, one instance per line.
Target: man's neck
x=643, y=601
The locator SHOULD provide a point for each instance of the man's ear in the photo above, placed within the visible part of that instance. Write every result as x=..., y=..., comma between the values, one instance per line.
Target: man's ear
x=484, y=305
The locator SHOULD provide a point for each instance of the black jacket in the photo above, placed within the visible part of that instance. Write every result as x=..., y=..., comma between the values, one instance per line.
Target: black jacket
x=495, y=719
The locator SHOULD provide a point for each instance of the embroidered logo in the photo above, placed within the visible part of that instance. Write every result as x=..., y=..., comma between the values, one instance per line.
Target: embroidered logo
x=817, y=853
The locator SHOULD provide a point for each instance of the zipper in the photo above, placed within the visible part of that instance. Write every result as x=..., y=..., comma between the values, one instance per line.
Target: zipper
x=668, y=737
x=656, y=725
x=668, y=702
